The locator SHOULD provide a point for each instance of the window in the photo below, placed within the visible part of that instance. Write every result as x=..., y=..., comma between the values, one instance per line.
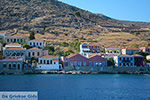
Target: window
x=33, y=53
x=21, y=40
x=29, y=54
x=131, y=58
x=18, y=66
x=37, y=44
x=54, y=62
x=30, y=43
x=103, y=63
x=51, y=62
x=79, y=63
x=9, y=66
x=38, y=53
x=40, y=43
x=95, y=63
x=71, y=63
x=84, y=63
x=75, y=63
x=17, y=40
x=44, y=61
x=14, y=66
x=90, y=63
x=11, y=40
x=131, y=64
x=40, y=61
x=7, y=40
x=115, y=51
x=47, y=61
x=120, y=64
x=119, y=58
x=123, y=64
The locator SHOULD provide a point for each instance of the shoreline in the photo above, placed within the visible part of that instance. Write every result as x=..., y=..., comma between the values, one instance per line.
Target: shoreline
x=76, y=73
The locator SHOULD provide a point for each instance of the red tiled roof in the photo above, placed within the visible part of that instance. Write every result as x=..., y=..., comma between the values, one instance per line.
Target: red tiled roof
x=137, y=55
x=77, y=56
x=13, y=44
x=11, y=59
x=20, y=35
x=55, y=60
x=48, y=56
x=34, y=48
x=125, y=55
x=112, y=47
x=15, y=48
x=2, y=31
x=131, y=48
x=97, y=57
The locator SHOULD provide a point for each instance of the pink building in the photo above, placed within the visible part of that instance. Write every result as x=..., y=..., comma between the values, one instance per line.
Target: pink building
x=79, y=60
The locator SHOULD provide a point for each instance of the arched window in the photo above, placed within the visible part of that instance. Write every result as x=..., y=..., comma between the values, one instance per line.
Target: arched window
x=9, y=66
x=18, y=66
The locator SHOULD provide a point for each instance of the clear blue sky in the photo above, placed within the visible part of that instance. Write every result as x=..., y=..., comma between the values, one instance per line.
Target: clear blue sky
x=131, y=10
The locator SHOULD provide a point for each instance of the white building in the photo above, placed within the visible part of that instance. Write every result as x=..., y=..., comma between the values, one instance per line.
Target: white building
x=113, y=50
x=49, y=62
x=14, y=50
x=108, y=56
x=86, y=48
x=36, y=43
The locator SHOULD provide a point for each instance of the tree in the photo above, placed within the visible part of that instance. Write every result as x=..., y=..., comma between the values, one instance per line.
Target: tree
x=4, y=43
x=77, y=13
x=47, y=29
x=64, y=44
x=142, y=53
x=26, y=46
x=49, y=48
x=148, y=44
x=137, y=33
x=135, y=45
x=32, y=35
x=110, y=62
x=68, y=53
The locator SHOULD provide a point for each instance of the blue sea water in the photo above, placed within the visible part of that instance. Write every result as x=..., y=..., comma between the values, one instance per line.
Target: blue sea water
x=80, y=87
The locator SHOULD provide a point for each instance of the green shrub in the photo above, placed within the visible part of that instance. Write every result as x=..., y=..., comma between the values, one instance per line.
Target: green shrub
x=77, y=13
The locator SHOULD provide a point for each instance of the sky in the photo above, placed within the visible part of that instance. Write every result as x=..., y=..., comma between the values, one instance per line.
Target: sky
x=130, y=10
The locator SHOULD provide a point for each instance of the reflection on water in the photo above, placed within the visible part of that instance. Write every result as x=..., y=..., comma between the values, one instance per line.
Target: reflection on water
x=80, y=87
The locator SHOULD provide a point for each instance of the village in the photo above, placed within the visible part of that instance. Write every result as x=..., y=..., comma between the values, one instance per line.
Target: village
x=17, y=59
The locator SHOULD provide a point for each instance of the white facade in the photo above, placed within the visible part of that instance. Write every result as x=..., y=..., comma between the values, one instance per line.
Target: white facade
x=36, y=43
x=49, y=62
x=124, y=60
x=113, y=50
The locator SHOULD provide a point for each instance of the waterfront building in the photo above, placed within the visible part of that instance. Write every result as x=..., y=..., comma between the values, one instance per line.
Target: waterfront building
x=14, y=50
x=22, y=39
x=97, y=60
x=11, y=64
x=129, y=60
x=34, y=52
x=79, y=60
x=36, y=43
x=49, y=62
x=108, y=56
x=93, y=48
x=145, y=49
x=113, y=50
x=129, y=50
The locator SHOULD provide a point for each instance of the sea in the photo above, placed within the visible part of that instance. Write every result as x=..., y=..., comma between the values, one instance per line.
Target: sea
x=80, y=87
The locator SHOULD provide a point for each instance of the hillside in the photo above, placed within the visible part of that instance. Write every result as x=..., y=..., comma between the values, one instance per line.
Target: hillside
x=60, y=18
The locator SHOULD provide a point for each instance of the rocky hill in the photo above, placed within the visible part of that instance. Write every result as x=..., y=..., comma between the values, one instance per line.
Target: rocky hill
x=62, y=18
